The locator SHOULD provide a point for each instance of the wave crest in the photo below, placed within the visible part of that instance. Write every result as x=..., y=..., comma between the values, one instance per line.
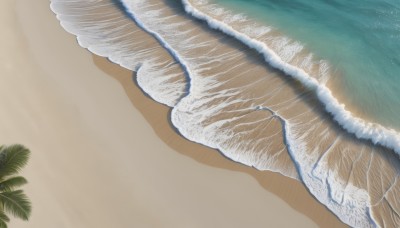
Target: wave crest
x=251, y=112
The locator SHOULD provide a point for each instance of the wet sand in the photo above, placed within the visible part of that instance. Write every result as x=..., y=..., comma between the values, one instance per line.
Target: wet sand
x=105, y=155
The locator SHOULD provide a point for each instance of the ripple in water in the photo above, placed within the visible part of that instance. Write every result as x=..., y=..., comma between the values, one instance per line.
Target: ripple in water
x=227, y=96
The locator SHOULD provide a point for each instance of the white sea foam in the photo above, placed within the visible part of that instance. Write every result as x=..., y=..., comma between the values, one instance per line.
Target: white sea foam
x=358, y=217
x=350, y=202
x=362, y=129
x=190, y=126
x=108, y=36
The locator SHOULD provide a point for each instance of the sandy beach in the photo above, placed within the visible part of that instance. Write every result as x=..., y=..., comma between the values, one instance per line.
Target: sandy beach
x=105, y=155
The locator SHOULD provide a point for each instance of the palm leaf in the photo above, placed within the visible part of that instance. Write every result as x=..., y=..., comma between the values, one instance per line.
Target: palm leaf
x=3, y=224
x=16, y=203
x=12, y=183
x=4, y=217
x=12, y=159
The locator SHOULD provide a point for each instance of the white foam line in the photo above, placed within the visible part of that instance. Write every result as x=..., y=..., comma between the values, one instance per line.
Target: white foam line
x=362, y=129
x=361, y=217
x=99, y=39
x=163, y=43
x=292, y=143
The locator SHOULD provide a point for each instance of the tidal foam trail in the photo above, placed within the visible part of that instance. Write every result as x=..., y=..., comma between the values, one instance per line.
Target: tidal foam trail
x=362, y=129
x=230, y=100
x=237, y=103
x=103, y=28
x=208, y=62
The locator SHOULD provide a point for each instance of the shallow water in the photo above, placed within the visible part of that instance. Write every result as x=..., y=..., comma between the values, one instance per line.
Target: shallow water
x=359, y=39
x=242, y=101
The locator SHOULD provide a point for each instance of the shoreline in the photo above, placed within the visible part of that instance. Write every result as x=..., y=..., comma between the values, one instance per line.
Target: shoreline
x=333, y=164
x=294, y=193
x=211, y=162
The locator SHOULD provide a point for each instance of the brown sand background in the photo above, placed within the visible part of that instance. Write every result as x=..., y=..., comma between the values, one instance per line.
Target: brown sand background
x=101, y=158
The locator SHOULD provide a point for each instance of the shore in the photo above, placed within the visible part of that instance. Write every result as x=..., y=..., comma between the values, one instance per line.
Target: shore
x=105, y=155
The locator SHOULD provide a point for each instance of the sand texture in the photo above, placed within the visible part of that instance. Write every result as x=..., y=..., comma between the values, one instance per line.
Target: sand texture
x=106, y=155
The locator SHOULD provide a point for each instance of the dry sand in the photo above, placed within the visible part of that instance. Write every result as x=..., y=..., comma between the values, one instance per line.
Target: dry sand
x=101, y=158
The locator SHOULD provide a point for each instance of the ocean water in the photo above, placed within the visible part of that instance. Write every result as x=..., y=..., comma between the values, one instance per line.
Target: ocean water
x=359, y=39
x=259, y=96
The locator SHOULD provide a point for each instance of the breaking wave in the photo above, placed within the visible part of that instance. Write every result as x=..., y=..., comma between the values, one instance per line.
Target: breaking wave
x=231, y=91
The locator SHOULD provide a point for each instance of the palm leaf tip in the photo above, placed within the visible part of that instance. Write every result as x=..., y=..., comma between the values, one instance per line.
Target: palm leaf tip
x=12, y=183
x=12, y=159
x=16, y=203
x=3, y=224
x=3, y=217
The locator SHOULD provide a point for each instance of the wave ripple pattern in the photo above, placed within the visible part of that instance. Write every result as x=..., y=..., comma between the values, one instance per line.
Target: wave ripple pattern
x=226, y=96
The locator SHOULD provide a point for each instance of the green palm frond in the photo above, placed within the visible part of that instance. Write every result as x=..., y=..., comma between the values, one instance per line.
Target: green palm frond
x=12, y=183
x=16, y=203
x=3, y=224
x=3, y=219
x=12, y=159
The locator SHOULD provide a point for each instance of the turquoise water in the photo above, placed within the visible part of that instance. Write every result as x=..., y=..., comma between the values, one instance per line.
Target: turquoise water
x=359, y=38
